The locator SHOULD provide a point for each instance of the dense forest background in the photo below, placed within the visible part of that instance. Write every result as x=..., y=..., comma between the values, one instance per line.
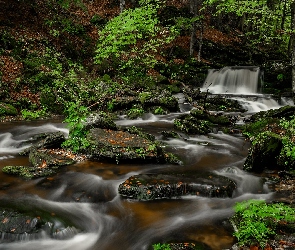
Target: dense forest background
x=58, y=51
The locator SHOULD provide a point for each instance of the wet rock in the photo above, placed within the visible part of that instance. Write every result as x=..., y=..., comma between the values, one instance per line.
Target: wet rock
x=283, y=112
x=52, y=140
x=164, y=99
x=192, y=94
x=189, y=246
x=45, y=159
x=19, y=226
x=219, y=103
x=100, y=120
x=191, y=125
x=216, y=118
x=152, y=186
x=123, y=145
x=200, y=121
x=264, y=154
x=43, y=163
x=170, y=134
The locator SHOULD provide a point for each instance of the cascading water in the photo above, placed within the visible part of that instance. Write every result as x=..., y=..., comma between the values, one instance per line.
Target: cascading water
x=244, y=84
x=234, y=80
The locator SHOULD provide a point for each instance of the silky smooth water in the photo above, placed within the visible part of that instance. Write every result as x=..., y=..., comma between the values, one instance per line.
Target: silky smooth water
x=234, y=79
x=86, y=193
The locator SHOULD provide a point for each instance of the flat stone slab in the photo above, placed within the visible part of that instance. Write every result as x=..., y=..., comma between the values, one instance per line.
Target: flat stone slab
x=152, y=186
x=122, y=145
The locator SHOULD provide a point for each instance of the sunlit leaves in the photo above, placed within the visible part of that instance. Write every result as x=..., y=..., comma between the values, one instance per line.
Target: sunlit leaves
x=133, y=38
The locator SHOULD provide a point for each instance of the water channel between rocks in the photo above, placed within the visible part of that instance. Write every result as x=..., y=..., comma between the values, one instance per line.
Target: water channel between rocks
x=111, y=222
x=86, y=193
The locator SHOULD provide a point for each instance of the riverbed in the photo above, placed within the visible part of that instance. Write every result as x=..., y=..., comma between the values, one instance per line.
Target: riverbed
x=86, y=193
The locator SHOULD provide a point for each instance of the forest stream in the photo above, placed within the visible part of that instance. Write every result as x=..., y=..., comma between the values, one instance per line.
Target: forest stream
x=86, y=193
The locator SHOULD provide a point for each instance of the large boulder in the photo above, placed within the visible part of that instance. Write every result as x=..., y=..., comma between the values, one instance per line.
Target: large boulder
x=121, y=145
x=264, y=154
x=152, y=186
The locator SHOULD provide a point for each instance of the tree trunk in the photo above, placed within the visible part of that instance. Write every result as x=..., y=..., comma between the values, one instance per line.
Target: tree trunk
x=293, y=46
x=193, y=39
x=200, y=42
x=122, y=5
x=193, y=10
x=284, y=15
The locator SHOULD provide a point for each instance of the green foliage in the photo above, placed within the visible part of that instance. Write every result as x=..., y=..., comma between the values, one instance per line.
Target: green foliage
x=143, y=96
x=255, y=221
x=130, y=41
x=253, y=129
x=159, y=111
x=160, y=246
x=7, y=109
x=135, y=112
x=76, y=116
x=263, y=22
x=288, y=151
x=33, y=115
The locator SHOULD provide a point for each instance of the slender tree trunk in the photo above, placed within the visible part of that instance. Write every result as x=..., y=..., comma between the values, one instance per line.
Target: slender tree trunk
x=193, y=39
x=200, y=42
x=293, y=46
x=195, y=6
x=122, y=5
x=284, y=15
x=194, y=11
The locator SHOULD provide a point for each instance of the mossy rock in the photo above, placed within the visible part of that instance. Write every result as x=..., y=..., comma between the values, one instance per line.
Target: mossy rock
x=192, y=125
x=213, y=118
x=223, y=104
x=170, y=134
x=42, y=163
x=21, y=171
x=7, y=109
x=99, y=120
x=283, y=112
x=51, y=140
x=264, y=154
x=42, y=159
x=122, y=145
x=152, y=186
x=135, y=112
x=163, y=99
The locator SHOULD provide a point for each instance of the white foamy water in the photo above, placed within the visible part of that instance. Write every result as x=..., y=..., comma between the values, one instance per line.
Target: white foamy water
x=15, y=141
x=241, y=80
x=257, y=104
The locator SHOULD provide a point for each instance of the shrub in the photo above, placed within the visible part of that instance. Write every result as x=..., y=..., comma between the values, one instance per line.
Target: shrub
x=255, y=221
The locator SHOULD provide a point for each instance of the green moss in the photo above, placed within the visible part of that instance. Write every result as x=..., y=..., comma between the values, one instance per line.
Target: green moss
x=22, y=171
x=192, y=125
x=7, y=109
x=135, y=112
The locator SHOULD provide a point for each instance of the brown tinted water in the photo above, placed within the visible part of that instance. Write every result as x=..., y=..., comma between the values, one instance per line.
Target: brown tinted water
x=86, y=193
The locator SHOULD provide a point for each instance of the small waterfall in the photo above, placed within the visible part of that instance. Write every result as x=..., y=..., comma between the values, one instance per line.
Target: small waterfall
x=234, y=80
